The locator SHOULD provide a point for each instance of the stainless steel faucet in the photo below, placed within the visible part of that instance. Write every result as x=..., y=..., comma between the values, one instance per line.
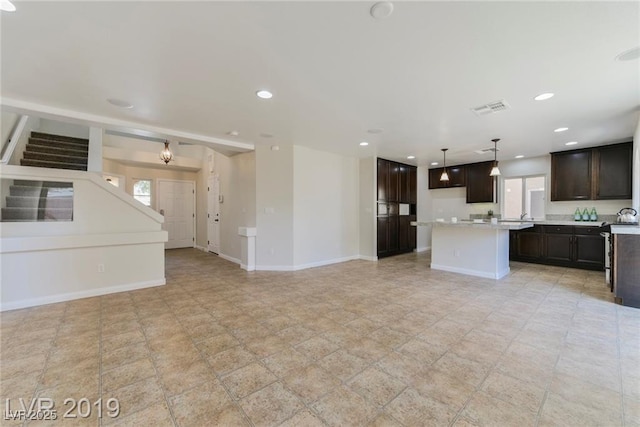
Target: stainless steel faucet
x=523, y=215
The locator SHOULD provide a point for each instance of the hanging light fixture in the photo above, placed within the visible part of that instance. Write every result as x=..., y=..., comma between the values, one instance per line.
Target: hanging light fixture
x=445, y=175
x=494, y=170
x=166, y=155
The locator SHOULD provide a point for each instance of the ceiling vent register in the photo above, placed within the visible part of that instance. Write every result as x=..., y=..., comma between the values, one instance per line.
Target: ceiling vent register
x=491, y=107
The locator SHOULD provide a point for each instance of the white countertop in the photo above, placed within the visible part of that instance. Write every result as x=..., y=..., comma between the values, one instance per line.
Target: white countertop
x=625, y=229
x=482, y=225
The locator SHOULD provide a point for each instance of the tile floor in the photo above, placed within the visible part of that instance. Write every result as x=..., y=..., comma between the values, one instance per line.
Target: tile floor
x=359, y=343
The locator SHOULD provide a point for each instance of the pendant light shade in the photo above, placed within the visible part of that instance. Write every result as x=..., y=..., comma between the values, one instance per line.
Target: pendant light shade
x=166, y=155
x=445, y=175
x=494, y=170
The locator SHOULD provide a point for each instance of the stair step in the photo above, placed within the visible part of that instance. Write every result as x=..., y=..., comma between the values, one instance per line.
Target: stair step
x=54, y=165
x=35, y=191
x=36, y=148
x=55, y=158
x=50, y=184
x=50, y=136
x=65, y=202
x=59, y=144
x=44, y=214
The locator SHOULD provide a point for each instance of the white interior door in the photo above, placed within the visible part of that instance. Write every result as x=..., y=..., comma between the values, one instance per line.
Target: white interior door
x=176, y=201
x=213, y=214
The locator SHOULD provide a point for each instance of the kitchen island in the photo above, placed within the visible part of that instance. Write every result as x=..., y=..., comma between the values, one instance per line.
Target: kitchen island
x=476, y=249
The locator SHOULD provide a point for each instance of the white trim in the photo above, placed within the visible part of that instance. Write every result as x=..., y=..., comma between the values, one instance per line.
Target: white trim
x=13, y=139
x=468, y=272
x=308, y=265
x=201, y=248
x=274, y=268
x=50, y=112
x=368, y=258
x=194, y=217
x=423, y=249
x=247, y=268
x=228, y=258
x=48, y=243
x=80, y=294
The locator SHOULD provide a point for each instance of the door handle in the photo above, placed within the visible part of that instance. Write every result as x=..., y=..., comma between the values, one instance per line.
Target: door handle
x=216, y=220
x=161, y=211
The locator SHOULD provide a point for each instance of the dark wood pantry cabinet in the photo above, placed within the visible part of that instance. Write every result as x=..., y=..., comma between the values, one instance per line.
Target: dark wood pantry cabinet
x=396, y=207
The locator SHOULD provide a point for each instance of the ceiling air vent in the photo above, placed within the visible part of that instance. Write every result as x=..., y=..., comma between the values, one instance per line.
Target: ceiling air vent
x=486, y=150
x=492, y=107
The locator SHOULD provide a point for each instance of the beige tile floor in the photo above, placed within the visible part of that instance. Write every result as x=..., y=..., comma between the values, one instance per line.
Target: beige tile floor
x=359, y=343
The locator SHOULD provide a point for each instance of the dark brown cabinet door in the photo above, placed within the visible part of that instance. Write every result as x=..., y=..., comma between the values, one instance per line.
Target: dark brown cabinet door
x=412, y=234
x=480, y=186
x=571, y=175
x=403, y=233
x=383, y=236
x=394, y=182
x=589, y=251
x=413, y=185
x=614, y=171
x=456, y=174
x=383, y=180
x=394, y=236
x=529, y=246
x=404, y=183
x=558, y=243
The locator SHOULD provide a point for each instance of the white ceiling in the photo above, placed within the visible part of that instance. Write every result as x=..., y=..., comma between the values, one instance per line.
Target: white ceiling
x=336, y=72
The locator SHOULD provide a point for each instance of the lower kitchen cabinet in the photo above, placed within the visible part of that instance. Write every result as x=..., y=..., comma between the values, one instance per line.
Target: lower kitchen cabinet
x=625, y=269
x=562, y=245
x=396, y=235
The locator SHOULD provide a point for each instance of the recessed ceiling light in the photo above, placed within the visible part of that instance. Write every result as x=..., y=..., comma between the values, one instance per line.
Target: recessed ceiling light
x=375, y=130
x=560, y=129
x=434, y=163
x=629, y=55
x=411, y=157
x=571, y=143
x=7, y=6
x=543, y=96
x=120, y=103
x=364, y=143
x=264, y=94
x=519, y=156
x=381, y=9
x=233, y=133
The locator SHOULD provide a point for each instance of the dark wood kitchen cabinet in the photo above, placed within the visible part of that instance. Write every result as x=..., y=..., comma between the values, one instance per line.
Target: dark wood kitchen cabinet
x=481, y=188
x=457, y=177
x=571, y=175
x=614, y=170
x=396, y=188
x=600, y=173
x=625, y=269
x=562, y=245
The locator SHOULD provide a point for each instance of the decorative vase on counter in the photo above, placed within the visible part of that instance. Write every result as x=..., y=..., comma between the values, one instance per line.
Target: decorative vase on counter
x=577, y=216
x=585, y=215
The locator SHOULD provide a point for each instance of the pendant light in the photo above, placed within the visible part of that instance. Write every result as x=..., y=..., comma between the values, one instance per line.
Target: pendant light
x=166, y=155
x=494, y=170
x=445, y=175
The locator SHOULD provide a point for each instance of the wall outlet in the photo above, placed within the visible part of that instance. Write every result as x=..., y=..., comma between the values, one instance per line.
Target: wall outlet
x=100, y=268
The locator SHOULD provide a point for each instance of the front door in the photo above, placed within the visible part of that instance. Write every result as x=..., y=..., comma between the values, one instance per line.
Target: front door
x=176, y=201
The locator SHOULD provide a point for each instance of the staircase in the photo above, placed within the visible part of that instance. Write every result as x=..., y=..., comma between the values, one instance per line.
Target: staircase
x=39, y=201
x=54, y=151
x=45, y=200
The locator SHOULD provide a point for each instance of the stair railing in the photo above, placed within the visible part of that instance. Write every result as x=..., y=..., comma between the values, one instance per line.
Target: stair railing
x=8, y=149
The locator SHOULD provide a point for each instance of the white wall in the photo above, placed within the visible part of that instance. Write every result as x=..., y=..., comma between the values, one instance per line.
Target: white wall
x=636, y=168
x=238, y=187
x=274, y=207
x=64, y=129
x=325, y=211
x=113, y=244
x=367, y=207
x=424, y=210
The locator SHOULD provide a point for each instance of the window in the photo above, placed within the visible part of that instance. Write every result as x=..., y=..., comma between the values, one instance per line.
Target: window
x=142, y=191
x=524, y=195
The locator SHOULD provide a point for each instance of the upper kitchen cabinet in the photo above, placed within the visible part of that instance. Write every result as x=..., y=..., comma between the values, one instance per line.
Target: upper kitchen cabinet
x=600, y=173
x=456, y=174
x=571, y=175
x=481, y=187
x=383, y=180
x=614, y=171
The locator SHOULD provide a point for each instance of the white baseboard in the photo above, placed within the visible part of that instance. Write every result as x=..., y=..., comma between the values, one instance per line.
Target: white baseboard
x=229, y=258
x=201, y=248
x=70, y=296
x=368, y=258
x=247, y=268
x=423, y=249
x=469, y=272
x=307, y=265
x=274, y=268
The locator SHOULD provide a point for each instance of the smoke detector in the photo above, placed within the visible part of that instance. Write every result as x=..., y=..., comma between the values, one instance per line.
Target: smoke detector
x=491, y=107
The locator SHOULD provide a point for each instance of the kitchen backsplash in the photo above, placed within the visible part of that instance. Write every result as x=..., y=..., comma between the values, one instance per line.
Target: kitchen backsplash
x=601, y=218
